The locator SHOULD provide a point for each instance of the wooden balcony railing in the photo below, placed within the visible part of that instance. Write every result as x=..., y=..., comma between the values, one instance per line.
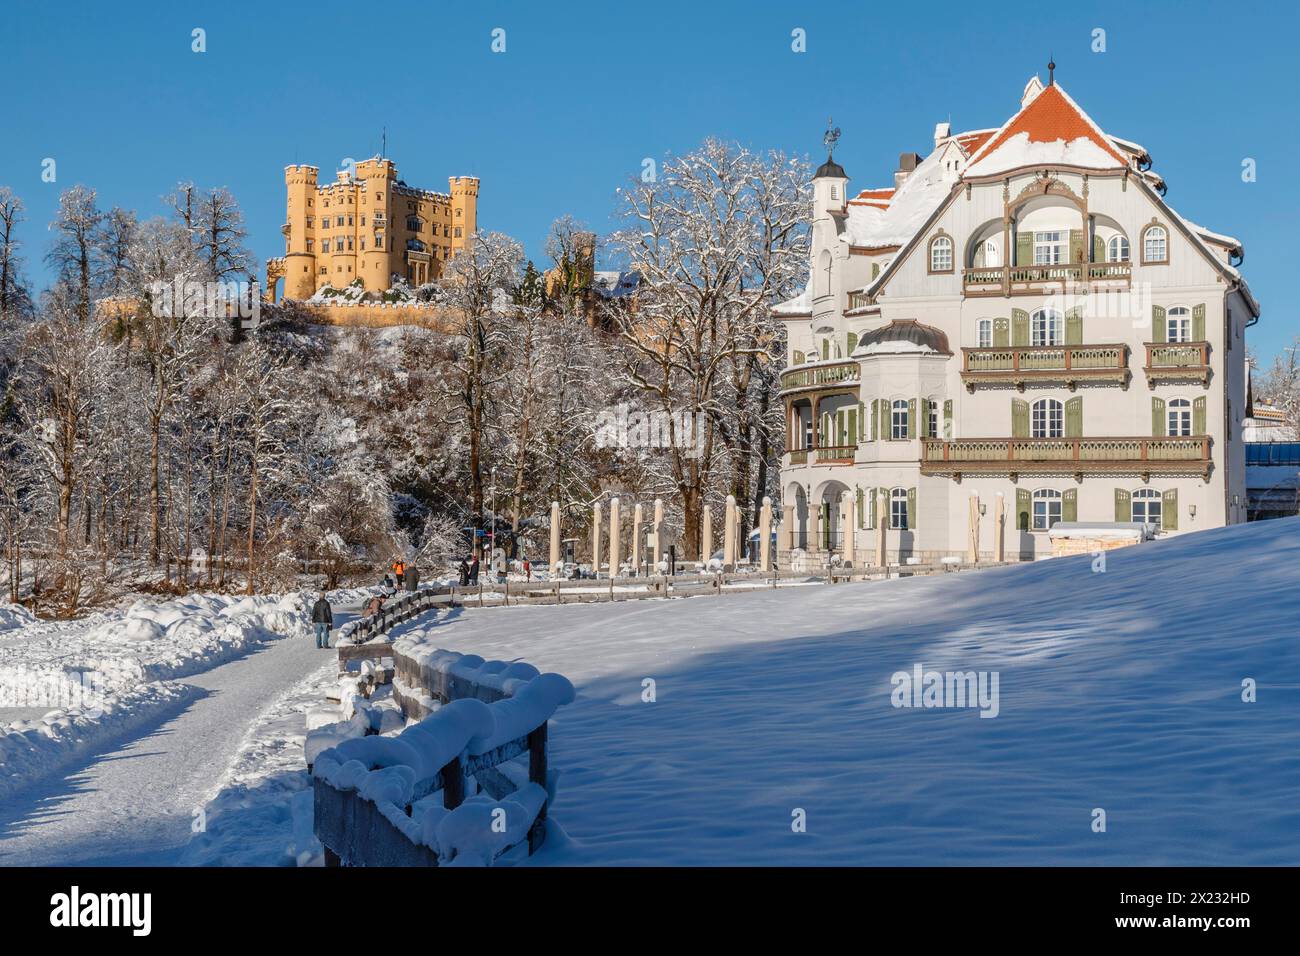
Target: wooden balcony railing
x=1025, y=280
x=836, y=454
x=1019, y=364
x=1177, y=362
x=798, y=456
x=813, y=376
x=1172, y=455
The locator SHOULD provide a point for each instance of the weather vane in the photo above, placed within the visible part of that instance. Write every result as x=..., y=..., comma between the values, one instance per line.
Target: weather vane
x=832, y=137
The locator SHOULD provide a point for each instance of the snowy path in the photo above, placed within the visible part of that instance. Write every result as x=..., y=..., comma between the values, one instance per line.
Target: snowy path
x=133, y=804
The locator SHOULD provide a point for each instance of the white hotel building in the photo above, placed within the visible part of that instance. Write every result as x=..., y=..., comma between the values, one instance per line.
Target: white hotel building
x=1021, y=314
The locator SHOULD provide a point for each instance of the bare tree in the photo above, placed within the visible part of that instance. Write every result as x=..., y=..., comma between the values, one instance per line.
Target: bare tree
x=13, y=297
x=72, y=255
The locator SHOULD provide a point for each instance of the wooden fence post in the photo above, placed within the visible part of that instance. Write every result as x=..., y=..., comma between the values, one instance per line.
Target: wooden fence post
x=453, y=785
x=537, y=775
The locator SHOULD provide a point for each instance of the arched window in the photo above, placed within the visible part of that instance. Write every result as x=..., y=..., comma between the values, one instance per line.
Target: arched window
x=1179, y=413
x=941, y=254
x=1178, y=324
x=1155, y=245
x=984, y=333
x=1146, y=506
x=1117, y=249
x=992, y=254
x=1046, y=509
x=898, y=509
x=1046, y=328
x=1048, y=419
x=898, y=420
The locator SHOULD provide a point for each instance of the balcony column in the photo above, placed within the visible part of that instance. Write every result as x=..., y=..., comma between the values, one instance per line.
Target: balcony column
x=787, y=529
x=816, y=425
x=848, y=508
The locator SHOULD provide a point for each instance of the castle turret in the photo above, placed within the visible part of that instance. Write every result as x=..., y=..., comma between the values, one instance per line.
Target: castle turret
x=299, y=230
x=464, y=210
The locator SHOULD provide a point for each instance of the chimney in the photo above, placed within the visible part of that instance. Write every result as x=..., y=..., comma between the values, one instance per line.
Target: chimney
x=907, y=163
x=941, y=132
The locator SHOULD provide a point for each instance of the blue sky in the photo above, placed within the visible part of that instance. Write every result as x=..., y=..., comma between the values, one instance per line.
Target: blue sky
x=584, y=91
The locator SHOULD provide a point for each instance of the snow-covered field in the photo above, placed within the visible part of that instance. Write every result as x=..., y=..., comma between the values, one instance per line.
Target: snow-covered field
x=1119, y=691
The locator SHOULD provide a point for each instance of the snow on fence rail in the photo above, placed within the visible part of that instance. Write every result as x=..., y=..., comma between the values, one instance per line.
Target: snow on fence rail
x=375, y=797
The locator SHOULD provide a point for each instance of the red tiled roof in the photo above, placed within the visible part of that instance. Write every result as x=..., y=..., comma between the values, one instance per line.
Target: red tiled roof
x=877, y=198
x=1051, y=116
x=971, y=142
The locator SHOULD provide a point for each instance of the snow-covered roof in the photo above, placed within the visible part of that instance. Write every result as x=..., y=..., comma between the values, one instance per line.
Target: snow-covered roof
x=873, y=226
x=800, y=305
x=1049, y=129
x=902, y=337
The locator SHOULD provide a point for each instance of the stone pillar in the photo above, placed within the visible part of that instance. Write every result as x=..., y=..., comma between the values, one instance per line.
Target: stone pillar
x=729, y=536
x=765, y=535
x=973, y=542
x=849, y=508
x=615, y=556
x=595, y=539
x=659, y=532
x=555, y=538
x=999, y=547
x=786, y=541
x=637, y=516
x=882, y=526
x=706, y=536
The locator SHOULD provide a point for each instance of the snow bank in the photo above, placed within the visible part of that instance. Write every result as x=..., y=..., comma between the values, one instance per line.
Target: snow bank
x=15, y=615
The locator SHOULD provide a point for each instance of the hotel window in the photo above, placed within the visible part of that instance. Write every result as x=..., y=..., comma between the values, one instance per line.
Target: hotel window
x=1179, y=414
x=898, y=420
x=1047, y=509
x=941, y=254
x=984, y=333
x=1046, y=328
x=1178, y=325
x=1048, y=419
x=1146, y=506
x=1049, y=247
x=1117, y=249
x=932, y=419
x=1155, y=245
x=898, y=509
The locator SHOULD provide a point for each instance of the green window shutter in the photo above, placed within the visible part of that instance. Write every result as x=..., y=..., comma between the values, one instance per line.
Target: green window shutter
x=1169, y=510
x=1074, y=417
x=1070, y=504
x=862, y=421
x=1198, y=323
x=1074, y=326
x=1076, y=245
x=798, y=357
x=826, y=348
x=1023, y=508
x=826, y=429
x=911, y=418
x=1019, y=327
x=1001, y=333
x=1098, y=249
x=1019, y=418
x=852, y=431
x=875, y=270
x=1123, y=507
x=1158, y=323
x=861, y=516
x=875, y=419
x=1024, y=248
x=853, y=342
x=1198, y=416
x=1158, y=423
x=947, y=419
x=869, y=515
x=911, y=508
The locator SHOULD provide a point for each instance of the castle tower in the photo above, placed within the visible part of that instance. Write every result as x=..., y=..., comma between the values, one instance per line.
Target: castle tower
x=299, y=255
x=376, y=264
x=464, y=210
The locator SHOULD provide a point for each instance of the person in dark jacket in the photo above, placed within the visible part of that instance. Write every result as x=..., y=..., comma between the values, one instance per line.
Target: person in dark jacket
x=464, y=572
x=322, y=615
x=473, y=571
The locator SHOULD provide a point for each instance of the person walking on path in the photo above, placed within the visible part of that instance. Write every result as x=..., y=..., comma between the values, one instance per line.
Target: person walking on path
x=473, y=570
x=464, y=572
x=322, y=615
x=528, y=570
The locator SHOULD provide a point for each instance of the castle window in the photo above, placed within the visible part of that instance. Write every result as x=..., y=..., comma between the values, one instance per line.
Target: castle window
x=1048, y=419
x=1047, y=508
x=1155, y=245
x=379, y=241
x=457, y=232
x=1117, y=249
x=324, y=245
x=349, y=220
x=1178, y=325
x=379, y=197
x=414, y=223
x=310, y=243
x=941, y=254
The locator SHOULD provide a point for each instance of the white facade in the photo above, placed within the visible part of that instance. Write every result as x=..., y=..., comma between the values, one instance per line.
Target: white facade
x=1021, y=315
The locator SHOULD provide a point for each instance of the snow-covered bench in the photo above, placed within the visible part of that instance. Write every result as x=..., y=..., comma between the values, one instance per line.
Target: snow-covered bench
x=377, y=797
